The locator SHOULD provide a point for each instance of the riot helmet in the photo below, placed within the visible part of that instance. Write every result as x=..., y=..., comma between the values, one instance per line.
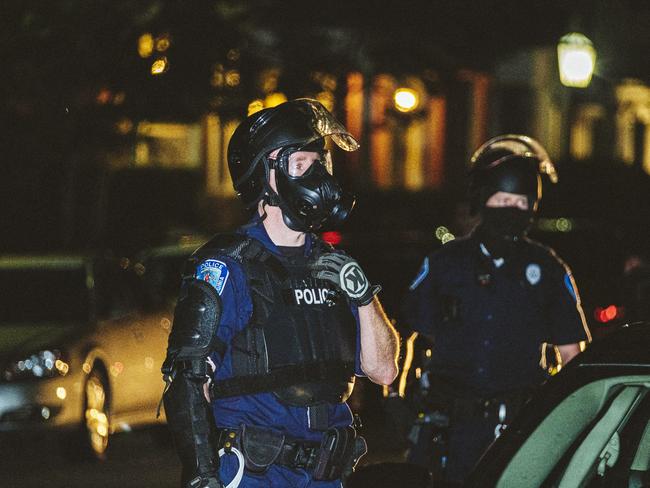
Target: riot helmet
x=512, y=164
x=308, y=200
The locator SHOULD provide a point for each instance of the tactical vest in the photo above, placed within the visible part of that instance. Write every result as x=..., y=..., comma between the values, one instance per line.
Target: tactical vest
x=300, y=342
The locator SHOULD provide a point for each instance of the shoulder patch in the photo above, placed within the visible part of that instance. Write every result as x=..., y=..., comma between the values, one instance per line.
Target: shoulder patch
x=424, y=271
x=214, y=272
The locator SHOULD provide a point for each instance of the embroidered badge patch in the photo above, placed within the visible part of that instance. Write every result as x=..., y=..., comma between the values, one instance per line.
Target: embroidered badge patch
x=424, y=271
x=533, y=273
x=214, y=272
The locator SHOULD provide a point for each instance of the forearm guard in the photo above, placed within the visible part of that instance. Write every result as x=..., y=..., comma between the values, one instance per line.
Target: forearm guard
x=191, y=423
x=185, y=371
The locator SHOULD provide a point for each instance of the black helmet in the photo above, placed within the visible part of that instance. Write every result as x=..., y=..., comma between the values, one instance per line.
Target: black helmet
x=296, y=125
x=510, y=163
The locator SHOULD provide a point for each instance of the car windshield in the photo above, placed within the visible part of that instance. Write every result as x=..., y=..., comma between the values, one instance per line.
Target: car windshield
x=43, y=292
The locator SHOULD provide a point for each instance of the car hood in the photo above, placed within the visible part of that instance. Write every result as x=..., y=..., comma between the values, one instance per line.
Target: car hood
x=17, y=339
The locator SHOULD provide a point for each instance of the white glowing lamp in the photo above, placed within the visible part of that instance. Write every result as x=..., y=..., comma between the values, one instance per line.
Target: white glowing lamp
x=576, y=60
x=406, y=99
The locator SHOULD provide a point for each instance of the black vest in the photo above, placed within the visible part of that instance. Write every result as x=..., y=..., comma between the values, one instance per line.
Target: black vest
x=300, y=342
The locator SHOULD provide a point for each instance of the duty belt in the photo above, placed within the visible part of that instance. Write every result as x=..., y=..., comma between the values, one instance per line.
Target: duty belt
x=332, y=458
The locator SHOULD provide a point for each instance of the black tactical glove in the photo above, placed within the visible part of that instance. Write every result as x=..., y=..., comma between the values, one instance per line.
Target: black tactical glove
x=346, y=274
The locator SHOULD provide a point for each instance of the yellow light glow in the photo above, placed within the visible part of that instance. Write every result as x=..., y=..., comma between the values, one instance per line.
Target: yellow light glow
x=576, y=60
x=62, y=367
x=165, y=323
x=86, y=368
x=61, y=393
x=255, y=106
x=441, y=231
x=145, y=45
x=326, y=97
x=274, y=99
x=448, y=237
x=159, y=66
x=232, y=77
x=163, y=42
x=406, y=99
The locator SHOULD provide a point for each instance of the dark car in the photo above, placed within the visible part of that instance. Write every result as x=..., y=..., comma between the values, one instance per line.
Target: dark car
x=589, y=426
x=82, y=340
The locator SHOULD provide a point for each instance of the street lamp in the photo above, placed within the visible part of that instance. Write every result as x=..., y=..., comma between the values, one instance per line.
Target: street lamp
x=406, y=99
x=576, y=60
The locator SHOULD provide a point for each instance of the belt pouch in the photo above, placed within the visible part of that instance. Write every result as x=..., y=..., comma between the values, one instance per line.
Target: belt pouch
x=260, y=447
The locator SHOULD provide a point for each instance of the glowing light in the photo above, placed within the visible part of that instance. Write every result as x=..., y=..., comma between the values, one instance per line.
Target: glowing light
x=159, y=66
x=117, y=368
x=145, y=45
x=576, y=60
x=218, y=78
x=327, y=99
x=447, y=237
x=427, y=353
x=406, y=99
x=163, y=42
x=563, y=225
x=45, y=413
x=61, y=393
x=119, y=98
x=86, y=368
x=607, y=314
x=441, y=231
x=255, y=106
x=274, y=99
x=166, y=323
x=104, y=96
x=232, y=77
x=63, y=367
x=418, y=373
x=332, y=237
x=124, y=126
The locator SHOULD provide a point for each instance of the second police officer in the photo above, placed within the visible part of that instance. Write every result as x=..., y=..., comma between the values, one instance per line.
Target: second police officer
x=491, y=303
x=272, y=324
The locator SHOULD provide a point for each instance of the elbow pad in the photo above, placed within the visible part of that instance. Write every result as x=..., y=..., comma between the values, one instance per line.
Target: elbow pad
x=193, y=337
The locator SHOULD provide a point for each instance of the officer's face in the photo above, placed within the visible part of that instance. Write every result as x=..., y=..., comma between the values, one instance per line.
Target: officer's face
x=505, y=199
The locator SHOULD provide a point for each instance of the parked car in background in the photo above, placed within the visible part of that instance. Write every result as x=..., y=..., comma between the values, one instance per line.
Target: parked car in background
x=82, y=340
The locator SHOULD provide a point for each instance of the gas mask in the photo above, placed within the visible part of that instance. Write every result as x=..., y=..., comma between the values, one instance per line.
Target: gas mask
x=308, y=194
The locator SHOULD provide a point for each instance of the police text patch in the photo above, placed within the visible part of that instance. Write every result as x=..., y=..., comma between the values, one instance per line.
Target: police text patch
x=214, y=272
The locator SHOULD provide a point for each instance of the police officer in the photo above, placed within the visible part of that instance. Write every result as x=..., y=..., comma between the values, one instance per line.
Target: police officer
x=272, y=324
x=492, y=302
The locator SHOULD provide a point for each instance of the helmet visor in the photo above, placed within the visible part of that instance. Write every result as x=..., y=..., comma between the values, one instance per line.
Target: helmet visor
x=522, y=146
x=326, y=125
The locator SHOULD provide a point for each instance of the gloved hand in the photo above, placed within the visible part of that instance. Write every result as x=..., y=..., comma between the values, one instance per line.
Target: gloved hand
x=346, y=274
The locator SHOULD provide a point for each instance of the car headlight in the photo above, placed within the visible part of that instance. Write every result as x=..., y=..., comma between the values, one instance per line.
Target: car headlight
x=46, y=363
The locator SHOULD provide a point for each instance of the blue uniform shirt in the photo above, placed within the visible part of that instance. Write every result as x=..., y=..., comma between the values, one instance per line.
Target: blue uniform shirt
x=261, y=409
x=489, y=320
